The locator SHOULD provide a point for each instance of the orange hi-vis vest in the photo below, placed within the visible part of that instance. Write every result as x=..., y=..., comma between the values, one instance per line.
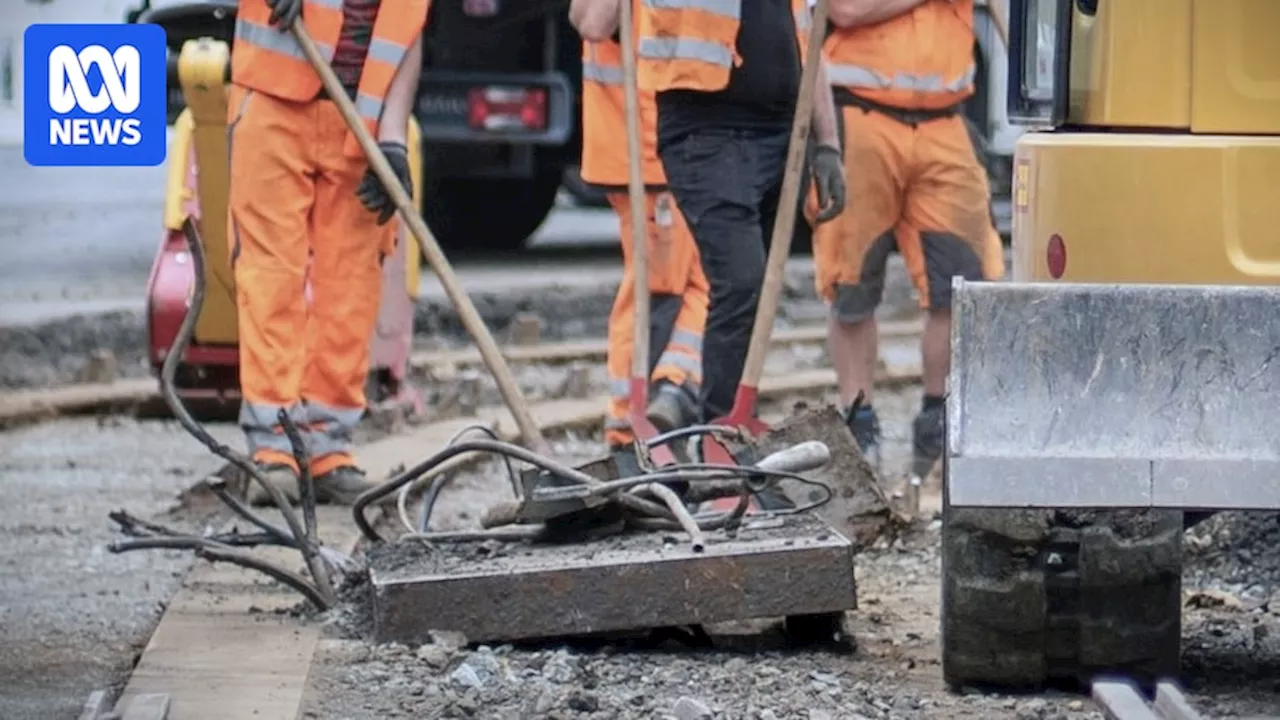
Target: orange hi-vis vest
x=270, y=61
x=692, y=44
x=604, y=121
x=920, y=60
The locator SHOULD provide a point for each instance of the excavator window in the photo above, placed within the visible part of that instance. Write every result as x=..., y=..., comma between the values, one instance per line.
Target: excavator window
x=1039, y=60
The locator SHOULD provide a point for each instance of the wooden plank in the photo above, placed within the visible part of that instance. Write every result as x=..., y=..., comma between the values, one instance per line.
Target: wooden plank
x=220, y=649
x=154, y=706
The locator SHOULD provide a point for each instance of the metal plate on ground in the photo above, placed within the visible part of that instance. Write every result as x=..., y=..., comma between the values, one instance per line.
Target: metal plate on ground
x=491, y=591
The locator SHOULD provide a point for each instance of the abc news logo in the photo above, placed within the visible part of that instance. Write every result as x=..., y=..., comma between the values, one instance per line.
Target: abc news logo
x=94, y=95
x=121, y=90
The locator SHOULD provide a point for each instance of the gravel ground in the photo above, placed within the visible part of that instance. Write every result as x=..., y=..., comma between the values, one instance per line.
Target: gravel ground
x=1231, y=631
x=72, y=616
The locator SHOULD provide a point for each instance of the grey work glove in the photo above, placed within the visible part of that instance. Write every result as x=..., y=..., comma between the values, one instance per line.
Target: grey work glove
x=828, y=177
x=284, y=12
x=371, y=192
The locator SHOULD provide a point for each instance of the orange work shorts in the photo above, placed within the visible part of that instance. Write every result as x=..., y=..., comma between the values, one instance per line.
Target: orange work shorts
x=919, y=189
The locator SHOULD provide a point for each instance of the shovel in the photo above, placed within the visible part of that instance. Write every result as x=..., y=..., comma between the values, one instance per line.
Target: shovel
x=742, y=414
x=638, y=390
x=471, y=320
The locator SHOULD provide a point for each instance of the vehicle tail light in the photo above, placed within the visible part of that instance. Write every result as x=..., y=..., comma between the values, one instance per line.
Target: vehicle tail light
x=507, y=108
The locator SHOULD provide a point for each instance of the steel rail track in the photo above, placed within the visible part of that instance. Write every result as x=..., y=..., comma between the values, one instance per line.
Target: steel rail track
x=1121, y=700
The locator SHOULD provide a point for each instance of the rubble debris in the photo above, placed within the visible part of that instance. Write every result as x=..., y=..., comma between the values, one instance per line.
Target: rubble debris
x=100, y=367
x=525, y=329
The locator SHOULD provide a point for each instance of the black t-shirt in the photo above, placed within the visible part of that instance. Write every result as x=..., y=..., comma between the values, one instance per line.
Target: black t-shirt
x=762, y=90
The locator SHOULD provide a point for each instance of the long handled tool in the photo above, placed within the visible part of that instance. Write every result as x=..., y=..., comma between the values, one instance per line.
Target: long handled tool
x=471, y=319
x=638, y=390
x=742, y=414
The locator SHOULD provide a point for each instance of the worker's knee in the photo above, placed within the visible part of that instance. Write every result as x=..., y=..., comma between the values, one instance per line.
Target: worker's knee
x=946, y=256
x=854, y=303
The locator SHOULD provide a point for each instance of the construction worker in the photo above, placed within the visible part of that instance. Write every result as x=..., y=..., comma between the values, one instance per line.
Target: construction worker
x=678, y=289
x=727, y=76
x=306, y=208
x=900, y=70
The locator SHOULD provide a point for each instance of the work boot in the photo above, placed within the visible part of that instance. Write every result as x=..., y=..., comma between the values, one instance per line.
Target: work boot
x=671, y=407
x=865, y=426
x=927, y=434
x=281, y=476
x=342, y=485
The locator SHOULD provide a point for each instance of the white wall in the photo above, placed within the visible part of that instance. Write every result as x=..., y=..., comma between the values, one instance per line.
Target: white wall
x=15, y=16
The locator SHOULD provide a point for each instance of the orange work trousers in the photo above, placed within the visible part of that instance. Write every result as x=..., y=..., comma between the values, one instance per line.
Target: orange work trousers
x=919, y=189
x=679, y=295
x=298, y=229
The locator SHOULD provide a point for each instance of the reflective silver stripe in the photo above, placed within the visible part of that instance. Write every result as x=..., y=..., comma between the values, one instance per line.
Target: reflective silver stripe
x=857, y=76
x=331, y=428
x=685, y=49
x=331, y=4
x=620, y=388
x=725, y=8
x=368, y=106
x=260, y=425
x=603, y=74
x=681, y=361
x=617, y=424
x=276, y=41
x=345, y=417
x=803, y=19
x=386, y=51
x=684, y=338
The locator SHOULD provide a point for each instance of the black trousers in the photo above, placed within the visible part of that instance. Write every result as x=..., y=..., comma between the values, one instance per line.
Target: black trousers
x=727, y=182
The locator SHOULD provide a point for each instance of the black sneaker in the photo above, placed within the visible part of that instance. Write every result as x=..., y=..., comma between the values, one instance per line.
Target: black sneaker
x=342, y=485
x=927, y=436
x=672, y=407
x=865, y=426
x=280, y=476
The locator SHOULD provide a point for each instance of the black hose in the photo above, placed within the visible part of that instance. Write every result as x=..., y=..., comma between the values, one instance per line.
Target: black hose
x=169, y=370
x=377, y=493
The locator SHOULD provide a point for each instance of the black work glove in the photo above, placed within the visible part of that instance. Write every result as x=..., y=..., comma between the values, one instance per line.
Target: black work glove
x=284, y=12
x=371, y=192
x=828, y=177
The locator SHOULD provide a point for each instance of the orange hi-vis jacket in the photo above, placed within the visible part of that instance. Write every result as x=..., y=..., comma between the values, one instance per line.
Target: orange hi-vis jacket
x=269, y=61
x=920, y=60
x=604, y=121
x=692, y=44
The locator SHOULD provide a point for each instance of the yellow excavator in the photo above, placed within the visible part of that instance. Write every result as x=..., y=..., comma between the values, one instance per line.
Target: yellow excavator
x=196, y=197
x=1126, y=383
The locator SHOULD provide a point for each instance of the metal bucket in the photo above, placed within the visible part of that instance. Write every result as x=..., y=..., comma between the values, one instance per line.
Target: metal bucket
x=1114, y=396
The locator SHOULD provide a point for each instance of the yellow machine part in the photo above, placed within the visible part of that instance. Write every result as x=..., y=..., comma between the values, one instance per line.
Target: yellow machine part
x=202, y=68
x=1147, y=208
x=176, y=193
x=1208, y=66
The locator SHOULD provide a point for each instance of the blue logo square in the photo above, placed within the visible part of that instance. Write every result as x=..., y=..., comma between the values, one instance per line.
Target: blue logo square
x=94, y=95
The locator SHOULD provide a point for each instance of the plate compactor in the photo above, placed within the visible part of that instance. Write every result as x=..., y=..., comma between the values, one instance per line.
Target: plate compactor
x=1127, y=383
x=196, y=190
